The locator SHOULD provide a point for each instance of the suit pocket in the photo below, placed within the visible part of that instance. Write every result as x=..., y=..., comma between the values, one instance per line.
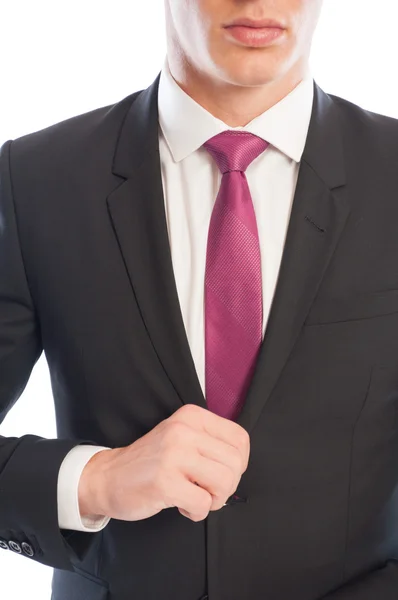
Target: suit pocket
x=380, y=408
x=354, y=307
x=78, y=585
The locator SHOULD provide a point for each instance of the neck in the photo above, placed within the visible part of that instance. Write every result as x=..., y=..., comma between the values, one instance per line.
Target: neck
x=233, y=104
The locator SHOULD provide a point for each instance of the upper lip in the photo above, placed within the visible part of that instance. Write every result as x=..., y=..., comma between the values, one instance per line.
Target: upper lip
x=253, y=23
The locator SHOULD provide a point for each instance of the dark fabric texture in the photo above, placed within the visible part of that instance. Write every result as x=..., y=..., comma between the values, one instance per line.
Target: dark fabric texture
x=86, y=275
x=77, y=585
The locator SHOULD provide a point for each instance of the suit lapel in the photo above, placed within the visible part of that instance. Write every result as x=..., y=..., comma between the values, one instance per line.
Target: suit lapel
x=136, y=208
x=137, y=211
x=319, y=213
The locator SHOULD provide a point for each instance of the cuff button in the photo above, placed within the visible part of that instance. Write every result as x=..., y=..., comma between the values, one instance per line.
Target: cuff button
x=15, y=547
x=27, y=549
x=3, y=545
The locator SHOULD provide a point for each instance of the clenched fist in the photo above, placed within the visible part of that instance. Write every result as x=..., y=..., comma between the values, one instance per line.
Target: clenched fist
x=193, y=460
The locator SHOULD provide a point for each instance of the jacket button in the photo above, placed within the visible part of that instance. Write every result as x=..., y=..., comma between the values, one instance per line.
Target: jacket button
x=235, y=499
x=3, y=545
x=27, y=549
x=14, y=546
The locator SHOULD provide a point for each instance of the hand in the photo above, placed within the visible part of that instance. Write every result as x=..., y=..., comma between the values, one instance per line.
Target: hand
x=193, y=460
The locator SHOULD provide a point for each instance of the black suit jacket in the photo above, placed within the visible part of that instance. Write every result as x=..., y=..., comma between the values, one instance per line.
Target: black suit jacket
x=86, y=275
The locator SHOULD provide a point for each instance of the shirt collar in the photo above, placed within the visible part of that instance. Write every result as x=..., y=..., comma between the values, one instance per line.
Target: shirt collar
x=186, y=125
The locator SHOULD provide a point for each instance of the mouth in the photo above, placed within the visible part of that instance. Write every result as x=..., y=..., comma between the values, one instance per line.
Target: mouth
x=256, y=24
x=260, y=33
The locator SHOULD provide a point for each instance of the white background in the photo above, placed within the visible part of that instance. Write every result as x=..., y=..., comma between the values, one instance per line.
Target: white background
x=60, y=59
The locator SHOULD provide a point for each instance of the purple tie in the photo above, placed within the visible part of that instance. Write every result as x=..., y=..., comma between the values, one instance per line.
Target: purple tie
x=233, y=289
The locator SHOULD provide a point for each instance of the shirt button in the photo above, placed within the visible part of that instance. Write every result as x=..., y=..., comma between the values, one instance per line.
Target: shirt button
x=27, y=548
x=14, y=546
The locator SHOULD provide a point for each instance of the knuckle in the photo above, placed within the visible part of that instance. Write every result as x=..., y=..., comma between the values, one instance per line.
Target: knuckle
x=218, y=502
x=203, y=505
x=244, y=438
x=206, y=502
x=175, y=433
x=189, y=409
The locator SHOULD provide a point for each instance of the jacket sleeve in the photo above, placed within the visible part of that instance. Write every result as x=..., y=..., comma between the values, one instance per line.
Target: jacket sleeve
x=29, y=465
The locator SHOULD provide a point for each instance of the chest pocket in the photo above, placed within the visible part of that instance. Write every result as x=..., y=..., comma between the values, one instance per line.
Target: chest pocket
x=353, y=307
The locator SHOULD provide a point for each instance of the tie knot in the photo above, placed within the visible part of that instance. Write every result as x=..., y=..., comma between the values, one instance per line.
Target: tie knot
x=235, y=150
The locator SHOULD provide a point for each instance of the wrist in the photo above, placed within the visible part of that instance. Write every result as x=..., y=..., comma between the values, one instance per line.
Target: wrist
x=91, y=489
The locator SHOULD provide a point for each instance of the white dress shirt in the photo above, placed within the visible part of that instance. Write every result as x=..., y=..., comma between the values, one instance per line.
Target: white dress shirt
x=191, y=180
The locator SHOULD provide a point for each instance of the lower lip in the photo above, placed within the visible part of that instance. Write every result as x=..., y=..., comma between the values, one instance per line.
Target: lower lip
x=255, y=36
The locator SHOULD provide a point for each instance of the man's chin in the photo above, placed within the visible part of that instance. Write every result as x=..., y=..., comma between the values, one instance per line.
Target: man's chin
x=246, y=77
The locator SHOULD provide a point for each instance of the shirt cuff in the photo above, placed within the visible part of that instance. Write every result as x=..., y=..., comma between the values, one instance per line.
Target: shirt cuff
x=67, y=491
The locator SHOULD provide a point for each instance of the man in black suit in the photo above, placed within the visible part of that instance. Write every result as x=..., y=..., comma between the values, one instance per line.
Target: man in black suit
x=182, y=469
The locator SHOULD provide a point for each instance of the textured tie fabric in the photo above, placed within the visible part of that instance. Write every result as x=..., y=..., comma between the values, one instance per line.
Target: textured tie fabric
x=233, y=288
